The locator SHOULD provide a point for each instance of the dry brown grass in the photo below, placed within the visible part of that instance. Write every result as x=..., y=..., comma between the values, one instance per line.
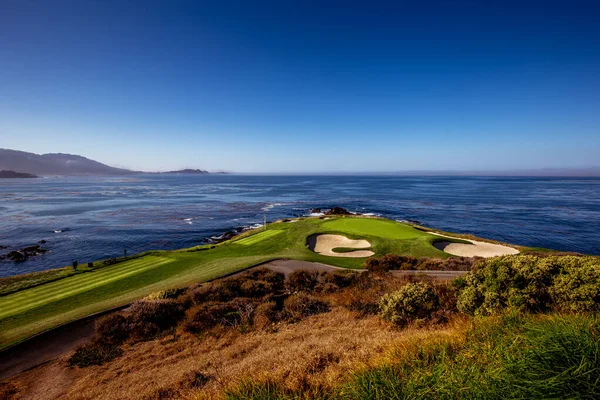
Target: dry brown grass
x=317, y=352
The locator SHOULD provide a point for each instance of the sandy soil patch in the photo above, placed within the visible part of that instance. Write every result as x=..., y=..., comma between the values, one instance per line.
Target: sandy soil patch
x=324, y=245
x=475, y=249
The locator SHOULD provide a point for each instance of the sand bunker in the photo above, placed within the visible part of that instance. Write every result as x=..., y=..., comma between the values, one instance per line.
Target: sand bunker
x=324, y=245
x=475, y=249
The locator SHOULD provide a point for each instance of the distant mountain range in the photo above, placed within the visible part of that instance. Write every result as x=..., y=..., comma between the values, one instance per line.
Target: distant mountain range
x=186, y=171
x=20, y=162
x=54, y=164
x=16, y=162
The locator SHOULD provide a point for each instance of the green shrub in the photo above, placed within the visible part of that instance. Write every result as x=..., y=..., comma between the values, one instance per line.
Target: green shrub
x=578, y=288
x=531, y=283
x=165, y=294
x=413, y=302
x=94, y=353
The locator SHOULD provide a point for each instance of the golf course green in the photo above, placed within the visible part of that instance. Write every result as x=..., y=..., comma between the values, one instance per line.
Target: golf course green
x=34, y=309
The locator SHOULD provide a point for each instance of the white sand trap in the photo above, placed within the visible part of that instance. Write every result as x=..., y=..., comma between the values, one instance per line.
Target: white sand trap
x=324, y=245
x=475, y=249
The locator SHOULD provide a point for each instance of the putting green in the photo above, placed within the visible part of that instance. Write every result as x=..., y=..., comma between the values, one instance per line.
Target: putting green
x=374, y=227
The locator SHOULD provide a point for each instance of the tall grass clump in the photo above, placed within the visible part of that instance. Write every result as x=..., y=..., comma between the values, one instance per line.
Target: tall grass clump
x=509, y=357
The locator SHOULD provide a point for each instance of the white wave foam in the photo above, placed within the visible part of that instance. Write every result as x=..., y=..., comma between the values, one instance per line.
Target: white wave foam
x=254, y=226
x=272, y=205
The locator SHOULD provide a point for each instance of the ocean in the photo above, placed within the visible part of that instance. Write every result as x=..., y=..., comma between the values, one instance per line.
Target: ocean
x=91, y=218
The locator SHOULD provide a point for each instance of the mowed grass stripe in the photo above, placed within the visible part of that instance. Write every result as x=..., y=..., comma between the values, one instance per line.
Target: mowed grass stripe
x=76, y=280
x=44, y=298
x=70, y=291
x=259, y=237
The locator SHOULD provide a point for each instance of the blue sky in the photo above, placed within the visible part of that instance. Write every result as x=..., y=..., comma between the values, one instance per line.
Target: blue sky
x=289, y=87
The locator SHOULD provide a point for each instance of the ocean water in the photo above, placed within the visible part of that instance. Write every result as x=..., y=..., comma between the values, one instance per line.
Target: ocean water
x=87, y=218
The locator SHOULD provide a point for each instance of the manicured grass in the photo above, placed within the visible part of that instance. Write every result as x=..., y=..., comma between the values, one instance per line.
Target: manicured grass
x=15, y=283
x=40, y=295
x=250, y=240
x=373, y=227
x=20, y=282
x=29, y=311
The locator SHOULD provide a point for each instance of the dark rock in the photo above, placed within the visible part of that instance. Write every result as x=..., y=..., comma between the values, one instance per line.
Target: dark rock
x=13, y=174
x=226, y=236
x=24, y=253
x=31, y=249
x=337, y=211
x=3, y=247
x=42, y=241
x=315, y=211
x=16, y=255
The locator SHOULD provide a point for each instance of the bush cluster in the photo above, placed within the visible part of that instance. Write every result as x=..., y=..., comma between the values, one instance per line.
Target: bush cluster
x=205, y=316
x=145, y=320
x=166, y=294
x=255, y=283
x=303, y=281
x=300, y=306
x=94, y=353
x=533, y=284
x=390, y=262
x=256, y=298
x=414, y=302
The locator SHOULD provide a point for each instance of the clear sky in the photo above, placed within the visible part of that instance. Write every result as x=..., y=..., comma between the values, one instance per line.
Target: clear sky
x=288, y=87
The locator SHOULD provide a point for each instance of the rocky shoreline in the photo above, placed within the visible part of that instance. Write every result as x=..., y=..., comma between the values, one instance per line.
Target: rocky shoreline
x=230, y=234
x=23, y=254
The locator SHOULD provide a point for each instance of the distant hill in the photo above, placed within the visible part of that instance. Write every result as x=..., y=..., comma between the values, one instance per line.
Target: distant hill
x=54, y=164
x=186, y=171
x=12, y=174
